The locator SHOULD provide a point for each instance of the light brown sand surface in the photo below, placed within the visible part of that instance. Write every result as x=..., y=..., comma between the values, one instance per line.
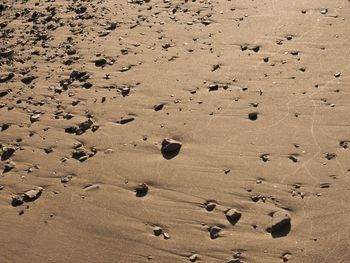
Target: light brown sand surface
x=256, y=93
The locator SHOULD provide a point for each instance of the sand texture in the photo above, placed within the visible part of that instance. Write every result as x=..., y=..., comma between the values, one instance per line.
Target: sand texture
x=175, y=131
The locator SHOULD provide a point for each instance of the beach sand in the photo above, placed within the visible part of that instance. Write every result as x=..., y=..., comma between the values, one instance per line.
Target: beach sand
x=175, y=131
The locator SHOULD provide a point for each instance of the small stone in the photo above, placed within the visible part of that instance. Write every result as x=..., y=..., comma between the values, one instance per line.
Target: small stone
x=293, y=158
x=28, y=80
x=170, y=146
x=157, y=231
x=158, y=107
x=214, y=232
x=325, y=185
x=141, y=190
x=280, y=220
x=253, y=116
x=330, y=156
x=286, y=257
x=100, y=62
x=5, y=126
x=233, y=216
x=33, y=194
x=213, y=87
x=166, y=235
x=210, y=206
x=337, y=75
x=66, y=179
x=215, y=67
x=9, y=166
x=92, y=187
x=7, y=152
x=265, y=157
x=125, y=120
x=16, y=200
x=344, y=144
x=35, y=117
x=193, y=257
x=48, y=150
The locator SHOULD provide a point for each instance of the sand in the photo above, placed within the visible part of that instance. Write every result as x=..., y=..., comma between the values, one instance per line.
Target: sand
x=175, y=131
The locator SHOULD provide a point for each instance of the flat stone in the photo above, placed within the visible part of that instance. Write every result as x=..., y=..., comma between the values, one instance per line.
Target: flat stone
x=33, y=194
x=92, y=187
x=125, y=120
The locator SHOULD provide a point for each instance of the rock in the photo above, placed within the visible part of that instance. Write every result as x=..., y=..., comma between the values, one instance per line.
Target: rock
x=215, y=67
x=325, y=185
x=166, y=235
x=16, y=200
x=157, y=231
x=6, y=77
x=170, y=146
x=35, y=117
x=124, y=91
x=213, y=87
x=193, y=257
x=141, y=190
x=233, y=216
x=87, y=85
x=210, y=206
x=214, y=232
x=337, y=75
x=71, y=129
x=330, y=156
x=281, y=221
x=33, y=194
x=48, y=149
x=286, y=257
x=3, y=93
x=253, y=116
x=158, y=107
x=293, y=158
x=7, y=152
x=100, y=62
x=344, y=144
x=265, y=157
x=28, y=80
x=9, y=166
x=7, y=53
x=84, y=126
x=92, y=187
x=66, y=179
x=5, y=126
x=81, y=154
x=125, y=120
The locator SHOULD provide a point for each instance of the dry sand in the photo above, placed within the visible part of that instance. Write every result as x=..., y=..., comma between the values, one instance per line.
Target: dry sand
x=252, y=97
